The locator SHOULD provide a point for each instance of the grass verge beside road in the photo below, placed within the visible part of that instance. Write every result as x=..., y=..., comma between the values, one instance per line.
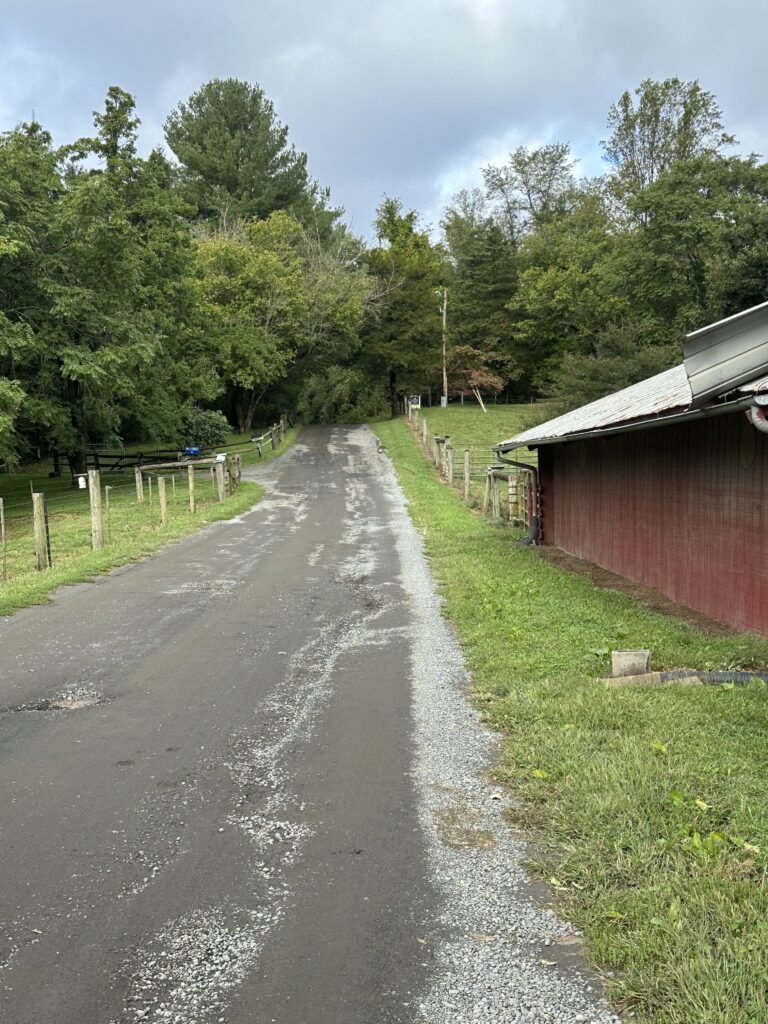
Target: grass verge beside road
x=131, y=530
x=649, y=805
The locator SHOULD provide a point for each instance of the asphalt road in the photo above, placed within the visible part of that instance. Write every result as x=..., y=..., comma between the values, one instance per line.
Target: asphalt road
x=211, y=801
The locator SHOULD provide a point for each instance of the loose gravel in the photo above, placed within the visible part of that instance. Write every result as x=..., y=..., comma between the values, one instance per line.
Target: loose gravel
x=502, y=960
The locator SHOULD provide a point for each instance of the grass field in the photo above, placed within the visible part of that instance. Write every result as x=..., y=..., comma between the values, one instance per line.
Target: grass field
x=131, y=530
x=468, y=424
x=650, y=806
x=472, y=429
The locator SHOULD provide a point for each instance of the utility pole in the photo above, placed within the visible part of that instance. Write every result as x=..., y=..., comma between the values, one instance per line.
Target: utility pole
x=444, y=402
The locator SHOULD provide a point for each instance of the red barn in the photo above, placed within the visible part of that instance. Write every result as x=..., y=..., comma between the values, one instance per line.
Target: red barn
x=666, y=482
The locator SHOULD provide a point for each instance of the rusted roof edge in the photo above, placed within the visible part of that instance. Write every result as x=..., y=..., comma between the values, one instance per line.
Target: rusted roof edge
x=647, y=423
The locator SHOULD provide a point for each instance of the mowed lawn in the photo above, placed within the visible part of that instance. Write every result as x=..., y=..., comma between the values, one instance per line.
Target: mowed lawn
x=131, y=530
x=649, y=806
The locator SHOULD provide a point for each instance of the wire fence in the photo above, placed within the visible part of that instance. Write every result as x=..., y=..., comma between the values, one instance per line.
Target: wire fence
x=47, y=523
x=508, y=494
x=65, y=525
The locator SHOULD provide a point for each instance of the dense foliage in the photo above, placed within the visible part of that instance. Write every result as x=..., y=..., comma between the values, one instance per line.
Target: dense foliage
x=135, y=290
x=586, y=286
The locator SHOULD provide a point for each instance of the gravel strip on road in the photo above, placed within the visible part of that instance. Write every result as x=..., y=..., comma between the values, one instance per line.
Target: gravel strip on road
x=499, y=961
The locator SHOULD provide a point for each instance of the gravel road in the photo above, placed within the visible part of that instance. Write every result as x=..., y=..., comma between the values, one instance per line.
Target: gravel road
x=241, y=782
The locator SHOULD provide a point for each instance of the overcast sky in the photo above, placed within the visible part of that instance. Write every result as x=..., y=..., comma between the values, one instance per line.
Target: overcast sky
x=404, y=97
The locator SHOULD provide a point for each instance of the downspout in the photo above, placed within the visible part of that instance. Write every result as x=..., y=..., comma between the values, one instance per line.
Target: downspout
x=534, y=527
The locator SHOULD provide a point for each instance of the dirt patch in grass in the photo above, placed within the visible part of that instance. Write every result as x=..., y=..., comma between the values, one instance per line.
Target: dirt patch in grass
x=646, y=596
x=461, y=826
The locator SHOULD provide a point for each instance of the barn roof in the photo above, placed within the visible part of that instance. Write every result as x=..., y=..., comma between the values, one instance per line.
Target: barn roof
x=653, y=402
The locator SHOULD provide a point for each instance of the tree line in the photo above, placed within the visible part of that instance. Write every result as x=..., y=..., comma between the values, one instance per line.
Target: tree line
x=136, y=291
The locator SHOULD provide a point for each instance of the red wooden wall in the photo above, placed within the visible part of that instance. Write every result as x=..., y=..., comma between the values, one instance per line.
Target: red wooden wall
x=680, y=509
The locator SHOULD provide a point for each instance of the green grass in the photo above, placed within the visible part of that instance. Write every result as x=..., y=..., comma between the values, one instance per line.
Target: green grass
x=132, y=530
x=469, y=425
x=649, y=805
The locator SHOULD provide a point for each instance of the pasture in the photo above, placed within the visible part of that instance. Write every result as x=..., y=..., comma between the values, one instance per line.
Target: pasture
x=131, y=530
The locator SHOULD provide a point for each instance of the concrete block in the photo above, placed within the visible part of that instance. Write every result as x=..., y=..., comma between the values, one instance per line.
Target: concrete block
x=630, y=663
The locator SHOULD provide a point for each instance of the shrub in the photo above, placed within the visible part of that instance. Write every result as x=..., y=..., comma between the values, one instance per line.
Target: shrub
x=206, y=428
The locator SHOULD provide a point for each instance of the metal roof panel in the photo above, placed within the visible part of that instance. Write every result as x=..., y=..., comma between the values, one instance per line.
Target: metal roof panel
x=729, y=353
x=666, y=391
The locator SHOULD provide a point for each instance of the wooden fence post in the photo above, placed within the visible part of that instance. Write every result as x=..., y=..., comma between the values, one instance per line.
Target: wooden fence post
x=272, y=437
x=107, y=489
x=161, y=498
x=487, y=493
x=191, y=480
x=139, y=485
x=495, y=497
x=97, y=523
x=220, y=485
x=436, y=450
x=449, y=462
x=238, y=469
x=2, y=540
x=424, y=430
x=41, y=555
x=467, y=480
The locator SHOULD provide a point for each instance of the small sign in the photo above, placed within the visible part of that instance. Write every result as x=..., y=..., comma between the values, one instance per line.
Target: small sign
x=415, y=401
x=82, y=481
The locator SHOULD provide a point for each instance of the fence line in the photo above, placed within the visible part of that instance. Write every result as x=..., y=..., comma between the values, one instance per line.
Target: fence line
x=103, y=513
x=507, y=494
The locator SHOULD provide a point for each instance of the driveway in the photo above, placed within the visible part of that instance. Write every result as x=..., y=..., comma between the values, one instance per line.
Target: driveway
x=240, y=782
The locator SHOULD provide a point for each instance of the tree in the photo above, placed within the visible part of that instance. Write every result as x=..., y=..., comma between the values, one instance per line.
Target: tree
x=567, y=287
x=671, y=121
x=252, y=307
x=11, y=397
x=483, y=281
x=401, y=339
x=91, y=286
x=236, y=160
x=702, y=253
x=532, y=187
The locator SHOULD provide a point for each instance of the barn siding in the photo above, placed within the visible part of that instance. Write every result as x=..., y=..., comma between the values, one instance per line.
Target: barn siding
x=676, y=508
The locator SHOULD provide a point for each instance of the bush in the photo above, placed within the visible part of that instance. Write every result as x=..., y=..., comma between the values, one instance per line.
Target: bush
x=206, y=428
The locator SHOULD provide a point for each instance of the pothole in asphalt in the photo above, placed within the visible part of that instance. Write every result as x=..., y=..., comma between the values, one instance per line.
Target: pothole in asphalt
x=218, y=586
x=74, y=698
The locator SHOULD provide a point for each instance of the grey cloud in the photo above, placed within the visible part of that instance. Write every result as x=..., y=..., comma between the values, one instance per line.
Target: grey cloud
x=389, y=95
